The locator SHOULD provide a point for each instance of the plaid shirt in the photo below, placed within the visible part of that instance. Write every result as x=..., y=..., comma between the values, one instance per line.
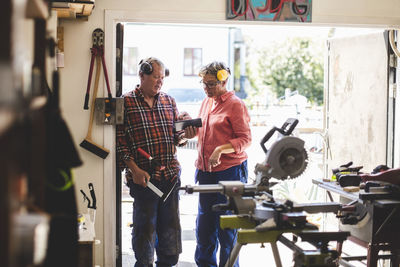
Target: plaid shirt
x=152, y=129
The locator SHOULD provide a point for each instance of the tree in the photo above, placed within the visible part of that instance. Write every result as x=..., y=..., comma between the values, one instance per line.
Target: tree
x=296, y=64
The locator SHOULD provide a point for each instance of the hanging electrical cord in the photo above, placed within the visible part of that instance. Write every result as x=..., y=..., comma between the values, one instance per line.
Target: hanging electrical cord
x=392, y=44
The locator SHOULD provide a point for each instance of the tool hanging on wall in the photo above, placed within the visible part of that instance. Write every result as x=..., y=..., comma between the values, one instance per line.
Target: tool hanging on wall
x=87, y=143
x=88, y=220
x=97, y=51
x=91, y=204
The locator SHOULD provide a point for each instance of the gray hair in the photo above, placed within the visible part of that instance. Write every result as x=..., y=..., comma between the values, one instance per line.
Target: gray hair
x=213, y=68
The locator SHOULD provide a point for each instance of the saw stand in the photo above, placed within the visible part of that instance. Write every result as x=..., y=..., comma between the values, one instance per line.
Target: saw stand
x=254, y=216
x=248, y=233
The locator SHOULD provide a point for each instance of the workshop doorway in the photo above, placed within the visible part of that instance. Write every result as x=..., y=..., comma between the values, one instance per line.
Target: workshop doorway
x=191, y=49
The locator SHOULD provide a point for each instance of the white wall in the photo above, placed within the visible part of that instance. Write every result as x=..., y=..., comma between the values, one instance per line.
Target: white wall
x=77, y=41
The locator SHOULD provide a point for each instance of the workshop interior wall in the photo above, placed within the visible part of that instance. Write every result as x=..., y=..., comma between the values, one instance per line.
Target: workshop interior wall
x=357, y=101
x=77, y=42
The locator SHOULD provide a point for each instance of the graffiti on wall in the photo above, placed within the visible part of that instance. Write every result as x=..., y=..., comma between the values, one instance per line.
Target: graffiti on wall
x=269, y=10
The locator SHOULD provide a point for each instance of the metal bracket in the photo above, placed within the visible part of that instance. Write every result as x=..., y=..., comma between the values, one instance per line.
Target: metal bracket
x=392, y=90
x=114, y=115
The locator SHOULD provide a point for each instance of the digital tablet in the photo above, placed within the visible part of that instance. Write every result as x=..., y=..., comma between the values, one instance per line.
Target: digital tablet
x=181, y=125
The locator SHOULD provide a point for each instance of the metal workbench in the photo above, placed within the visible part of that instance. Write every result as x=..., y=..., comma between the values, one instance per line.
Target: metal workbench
x=378, y=228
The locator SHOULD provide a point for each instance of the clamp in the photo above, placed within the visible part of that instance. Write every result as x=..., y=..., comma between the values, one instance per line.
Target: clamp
x=97, y=52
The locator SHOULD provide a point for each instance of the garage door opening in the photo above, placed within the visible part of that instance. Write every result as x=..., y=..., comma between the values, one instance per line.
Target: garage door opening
x=278, y=71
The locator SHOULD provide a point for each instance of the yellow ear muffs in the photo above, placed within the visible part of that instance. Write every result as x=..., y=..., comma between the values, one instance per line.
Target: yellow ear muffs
x=222, y=75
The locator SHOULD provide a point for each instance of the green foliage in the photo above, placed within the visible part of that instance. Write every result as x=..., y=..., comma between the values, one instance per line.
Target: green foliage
x=296, y=64
x=255, y=92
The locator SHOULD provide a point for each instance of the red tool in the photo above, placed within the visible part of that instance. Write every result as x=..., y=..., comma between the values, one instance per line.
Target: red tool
x=155, y=163
x=97, y=51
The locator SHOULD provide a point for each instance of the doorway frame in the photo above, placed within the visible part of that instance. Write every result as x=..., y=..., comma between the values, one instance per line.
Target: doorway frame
x=111, y=19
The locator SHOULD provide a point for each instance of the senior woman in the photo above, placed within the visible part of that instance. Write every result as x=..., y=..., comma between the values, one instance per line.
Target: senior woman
x=222, y=141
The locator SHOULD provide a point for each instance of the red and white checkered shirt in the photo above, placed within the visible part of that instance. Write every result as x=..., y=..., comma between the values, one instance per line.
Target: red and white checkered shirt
x=151, y=129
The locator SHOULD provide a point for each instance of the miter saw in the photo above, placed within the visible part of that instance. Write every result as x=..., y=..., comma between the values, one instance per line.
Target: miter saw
x=262, y=219
x=286, y=158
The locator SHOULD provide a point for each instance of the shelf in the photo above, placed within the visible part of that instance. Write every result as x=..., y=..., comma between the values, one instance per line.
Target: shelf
x=73, y=10
x=37, y=9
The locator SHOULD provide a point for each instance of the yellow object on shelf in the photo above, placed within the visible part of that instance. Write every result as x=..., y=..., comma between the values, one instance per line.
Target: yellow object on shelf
x=351, y=189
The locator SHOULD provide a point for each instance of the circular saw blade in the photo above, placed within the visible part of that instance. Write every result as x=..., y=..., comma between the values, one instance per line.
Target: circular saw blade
x=293, y=161
x=287, y=158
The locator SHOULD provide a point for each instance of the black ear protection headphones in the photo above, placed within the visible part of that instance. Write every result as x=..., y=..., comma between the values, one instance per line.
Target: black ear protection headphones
x=147, y=68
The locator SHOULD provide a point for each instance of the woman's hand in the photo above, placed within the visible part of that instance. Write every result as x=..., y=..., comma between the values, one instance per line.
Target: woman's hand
x=215, y=159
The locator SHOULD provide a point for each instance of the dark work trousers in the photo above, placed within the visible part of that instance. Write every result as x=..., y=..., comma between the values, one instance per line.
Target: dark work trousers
x=208, y=231
x=156, y=226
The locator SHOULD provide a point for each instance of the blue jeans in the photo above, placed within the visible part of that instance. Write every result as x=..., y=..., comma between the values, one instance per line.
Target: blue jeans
x=156, y=227
x=208, y=231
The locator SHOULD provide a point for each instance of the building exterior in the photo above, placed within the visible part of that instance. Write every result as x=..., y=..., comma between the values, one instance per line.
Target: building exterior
x=183, y=49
